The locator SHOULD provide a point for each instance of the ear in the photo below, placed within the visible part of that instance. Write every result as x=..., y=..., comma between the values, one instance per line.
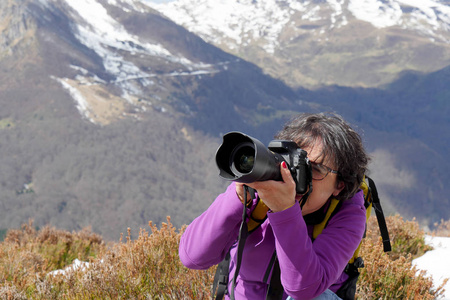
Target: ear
x=339, y=187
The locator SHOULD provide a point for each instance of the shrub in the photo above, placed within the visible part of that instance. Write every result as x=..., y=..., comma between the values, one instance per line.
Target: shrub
x=146, y=268
x=391, y=275
x=406, y=237
x=442, y=229
x=27, y=255
x=149, y=267
x=384, y=277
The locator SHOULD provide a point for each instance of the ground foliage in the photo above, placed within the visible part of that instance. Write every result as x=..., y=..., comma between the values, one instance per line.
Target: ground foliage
x=149, y=268
x=157, y=160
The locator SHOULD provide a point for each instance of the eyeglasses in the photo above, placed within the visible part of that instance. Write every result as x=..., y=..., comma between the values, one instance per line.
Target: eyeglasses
x=320, y=171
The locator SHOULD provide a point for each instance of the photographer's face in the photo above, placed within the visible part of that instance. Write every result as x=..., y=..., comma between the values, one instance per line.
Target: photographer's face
x=322, y=189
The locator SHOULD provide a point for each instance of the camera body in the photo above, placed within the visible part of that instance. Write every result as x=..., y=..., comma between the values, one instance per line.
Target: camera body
x=242, y=158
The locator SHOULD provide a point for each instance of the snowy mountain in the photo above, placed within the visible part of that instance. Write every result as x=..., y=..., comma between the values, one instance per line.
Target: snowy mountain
x=111, y=113
x=310, y=43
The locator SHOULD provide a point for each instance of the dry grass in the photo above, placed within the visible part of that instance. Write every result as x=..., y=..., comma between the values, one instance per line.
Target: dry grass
x=442, y=229
x=392, y=275
x=149, y=268
x=146, y=268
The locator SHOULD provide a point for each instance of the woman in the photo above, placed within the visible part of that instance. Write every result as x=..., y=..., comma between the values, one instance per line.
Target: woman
x=308, y=269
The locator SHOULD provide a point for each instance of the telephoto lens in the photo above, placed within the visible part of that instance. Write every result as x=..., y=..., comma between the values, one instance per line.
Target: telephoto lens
x=244, y=159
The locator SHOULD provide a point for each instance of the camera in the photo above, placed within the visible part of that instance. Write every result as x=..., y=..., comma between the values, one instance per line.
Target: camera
x=242, y=158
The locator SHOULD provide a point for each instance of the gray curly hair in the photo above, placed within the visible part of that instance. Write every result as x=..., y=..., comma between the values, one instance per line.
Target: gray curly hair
x=341, y=144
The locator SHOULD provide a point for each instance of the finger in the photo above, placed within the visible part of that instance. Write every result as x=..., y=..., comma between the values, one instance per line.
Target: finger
x=285, y=173
x=240, y=192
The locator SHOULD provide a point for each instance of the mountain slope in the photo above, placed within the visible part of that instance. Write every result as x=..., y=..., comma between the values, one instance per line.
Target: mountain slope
x=311, y=43
x=406, y=129
x=111, y=115
x=374, y=46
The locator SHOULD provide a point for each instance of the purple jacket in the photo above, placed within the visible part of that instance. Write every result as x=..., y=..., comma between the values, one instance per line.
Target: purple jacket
x=307, y=269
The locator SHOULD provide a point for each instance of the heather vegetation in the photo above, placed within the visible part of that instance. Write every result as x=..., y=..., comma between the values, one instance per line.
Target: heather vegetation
x=157, y=159
x=148, y=267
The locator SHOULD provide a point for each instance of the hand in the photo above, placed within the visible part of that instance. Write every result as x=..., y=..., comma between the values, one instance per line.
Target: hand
x=277, y=195
x=240, y=192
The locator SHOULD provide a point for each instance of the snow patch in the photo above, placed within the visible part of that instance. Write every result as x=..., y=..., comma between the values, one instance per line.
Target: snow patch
x=82, y=104
x=76, y=265
x=234, y=20
x=236, y=23
x=436, y=262
x=100, y=32
x=424, y=16
x=376, y=12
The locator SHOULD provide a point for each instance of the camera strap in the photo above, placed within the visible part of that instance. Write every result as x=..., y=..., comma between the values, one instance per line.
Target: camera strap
x=243, y=234
x=275, y=287
x=306, y=195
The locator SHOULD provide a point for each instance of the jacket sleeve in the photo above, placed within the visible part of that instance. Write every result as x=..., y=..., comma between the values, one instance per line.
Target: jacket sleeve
x=308, y=269
x=209, y=237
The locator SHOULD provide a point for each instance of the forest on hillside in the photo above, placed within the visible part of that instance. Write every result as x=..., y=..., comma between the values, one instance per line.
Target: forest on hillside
x=110, y=178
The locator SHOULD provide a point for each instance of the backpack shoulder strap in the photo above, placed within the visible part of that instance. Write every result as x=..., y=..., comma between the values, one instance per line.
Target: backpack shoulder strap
x=380, y=215
x=275, y=289
x=221, y=278
x=258, y=216
x=333, y=208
